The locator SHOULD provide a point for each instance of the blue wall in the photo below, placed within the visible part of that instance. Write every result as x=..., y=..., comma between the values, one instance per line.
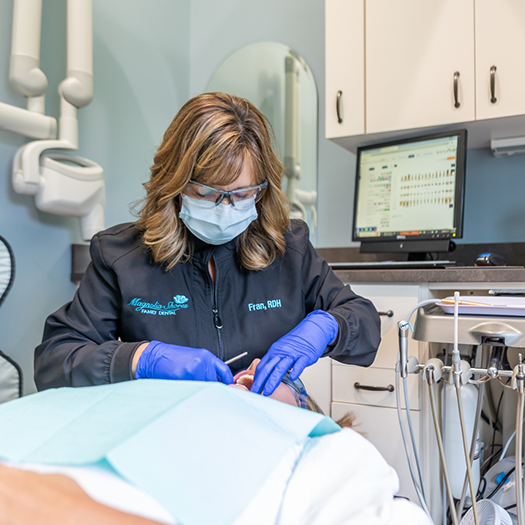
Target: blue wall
x=141, y=72
x=220, y=28
x=494, y=198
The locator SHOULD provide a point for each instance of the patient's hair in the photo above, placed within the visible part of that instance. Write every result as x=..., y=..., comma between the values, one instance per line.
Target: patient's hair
x=347, y=421
x=210, y=140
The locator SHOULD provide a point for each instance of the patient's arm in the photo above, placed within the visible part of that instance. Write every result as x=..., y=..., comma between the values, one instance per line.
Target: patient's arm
x=28, y=498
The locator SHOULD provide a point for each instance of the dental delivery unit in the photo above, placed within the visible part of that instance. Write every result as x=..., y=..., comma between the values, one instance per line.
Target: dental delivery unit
x=493, y=324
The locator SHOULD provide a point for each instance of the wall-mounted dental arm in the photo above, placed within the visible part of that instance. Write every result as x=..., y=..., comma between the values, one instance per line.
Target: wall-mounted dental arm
x=63, y=185
x=28, y=123
x=77, y=88
x=26, y=164
x=25, y=74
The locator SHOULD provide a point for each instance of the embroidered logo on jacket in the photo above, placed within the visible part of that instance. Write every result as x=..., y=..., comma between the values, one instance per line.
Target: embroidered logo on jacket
x=179, y=301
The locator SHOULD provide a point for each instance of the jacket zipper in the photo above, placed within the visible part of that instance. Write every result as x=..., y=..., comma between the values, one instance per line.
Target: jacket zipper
x=217, y=321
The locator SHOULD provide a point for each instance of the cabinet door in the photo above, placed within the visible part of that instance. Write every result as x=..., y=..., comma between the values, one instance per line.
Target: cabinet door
x=345, y=40
x=500, y=43
x=400, y=299
x=381, y=427
x=413, y=50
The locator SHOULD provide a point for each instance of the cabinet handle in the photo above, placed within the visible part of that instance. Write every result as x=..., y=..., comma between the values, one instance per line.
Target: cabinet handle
x=338, y=107
x=359, y=386
x=456, y=82
x=493, y=98
x=388, y=313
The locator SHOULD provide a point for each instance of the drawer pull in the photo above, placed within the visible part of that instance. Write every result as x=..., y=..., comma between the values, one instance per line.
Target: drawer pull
x=493, y=98
x=456, y=89
x=338, y=107
x=359, y=386
x=388, y=313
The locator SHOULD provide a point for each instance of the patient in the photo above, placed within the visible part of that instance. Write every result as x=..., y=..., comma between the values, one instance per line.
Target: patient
x=30, y=498
x=291, y=393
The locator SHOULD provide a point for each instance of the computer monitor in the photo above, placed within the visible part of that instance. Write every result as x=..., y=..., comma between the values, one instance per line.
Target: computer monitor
x=409, y=195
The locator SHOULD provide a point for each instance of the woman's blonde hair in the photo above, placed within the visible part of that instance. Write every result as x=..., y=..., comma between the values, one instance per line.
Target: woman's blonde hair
x=210, y=140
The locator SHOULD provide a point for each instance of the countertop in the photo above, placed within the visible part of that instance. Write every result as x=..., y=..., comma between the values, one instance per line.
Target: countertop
x=462, y=274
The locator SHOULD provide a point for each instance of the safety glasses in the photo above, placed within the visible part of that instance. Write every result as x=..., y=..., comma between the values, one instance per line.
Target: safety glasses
x=298, y=390
x=201, y=191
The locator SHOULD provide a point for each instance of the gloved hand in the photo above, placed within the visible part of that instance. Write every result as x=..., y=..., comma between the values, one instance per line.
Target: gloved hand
x=164, y=361
x=299, y=348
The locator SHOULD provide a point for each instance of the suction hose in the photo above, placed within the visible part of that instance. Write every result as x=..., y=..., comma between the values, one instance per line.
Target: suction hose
x=430, y=380
x=520, y=381
x=456, y=376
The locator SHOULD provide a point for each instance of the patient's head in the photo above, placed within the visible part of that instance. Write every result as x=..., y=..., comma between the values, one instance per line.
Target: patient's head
x=244, y=381
x=285, y=393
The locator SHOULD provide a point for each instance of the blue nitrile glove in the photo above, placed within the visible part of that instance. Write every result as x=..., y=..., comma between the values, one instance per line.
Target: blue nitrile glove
x=300, y=348
x=164, y=361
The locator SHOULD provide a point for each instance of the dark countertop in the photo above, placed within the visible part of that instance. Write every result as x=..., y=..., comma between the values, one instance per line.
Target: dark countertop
x=466, y=274
x=463, y=271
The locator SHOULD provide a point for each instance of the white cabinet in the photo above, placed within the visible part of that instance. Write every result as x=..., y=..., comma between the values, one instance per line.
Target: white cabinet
x=347, y=381
x=381, y=427
x=413, y=51
x=500, y=44
x=375, y=410
x=397, y=300
x=345, y=55
x=395, y=62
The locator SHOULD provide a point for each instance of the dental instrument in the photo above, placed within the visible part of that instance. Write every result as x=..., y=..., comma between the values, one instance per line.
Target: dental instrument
x=236, y=358
x=458, y=377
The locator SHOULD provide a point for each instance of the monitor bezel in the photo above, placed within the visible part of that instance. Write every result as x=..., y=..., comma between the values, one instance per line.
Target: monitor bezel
x=459, y=195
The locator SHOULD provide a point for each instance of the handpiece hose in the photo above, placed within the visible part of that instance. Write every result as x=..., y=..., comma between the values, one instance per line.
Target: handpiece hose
x=453, y=514
x=457, y=379
x=520, y=382
x=403, y=347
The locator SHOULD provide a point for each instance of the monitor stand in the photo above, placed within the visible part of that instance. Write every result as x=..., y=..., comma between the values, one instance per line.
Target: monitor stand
x=419, y=256
x=427, y=256
x=417, y=250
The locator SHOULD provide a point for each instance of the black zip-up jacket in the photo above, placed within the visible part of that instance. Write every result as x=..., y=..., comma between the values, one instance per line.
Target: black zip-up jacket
x=126, y=299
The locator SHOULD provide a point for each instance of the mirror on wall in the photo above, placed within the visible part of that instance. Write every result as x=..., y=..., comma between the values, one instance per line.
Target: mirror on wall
x=280, y=84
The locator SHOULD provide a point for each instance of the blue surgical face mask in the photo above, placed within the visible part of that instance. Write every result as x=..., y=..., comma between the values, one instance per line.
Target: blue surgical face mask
x=216, y=224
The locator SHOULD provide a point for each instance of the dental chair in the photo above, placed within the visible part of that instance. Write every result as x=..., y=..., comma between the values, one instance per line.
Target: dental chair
x=10, y=371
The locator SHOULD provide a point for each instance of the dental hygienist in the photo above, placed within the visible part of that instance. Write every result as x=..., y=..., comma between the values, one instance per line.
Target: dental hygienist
x=212, y=268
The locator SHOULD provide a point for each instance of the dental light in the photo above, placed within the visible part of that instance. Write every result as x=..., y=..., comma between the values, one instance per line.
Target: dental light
x=61, y=184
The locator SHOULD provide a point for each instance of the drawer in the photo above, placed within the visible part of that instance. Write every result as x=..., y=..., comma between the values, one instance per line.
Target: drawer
x=401, y=299
x=344, y=378
x=381, y=427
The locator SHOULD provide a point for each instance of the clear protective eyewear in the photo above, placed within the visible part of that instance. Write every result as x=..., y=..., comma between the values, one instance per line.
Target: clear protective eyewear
x=298, y=390
x=201, y=191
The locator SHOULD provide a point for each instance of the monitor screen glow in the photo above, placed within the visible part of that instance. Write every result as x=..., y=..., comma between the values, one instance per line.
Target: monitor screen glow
x=410, y=189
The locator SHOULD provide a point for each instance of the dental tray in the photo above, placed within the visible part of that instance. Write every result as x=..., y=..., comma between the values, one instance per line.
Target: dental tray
x=499, y=306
